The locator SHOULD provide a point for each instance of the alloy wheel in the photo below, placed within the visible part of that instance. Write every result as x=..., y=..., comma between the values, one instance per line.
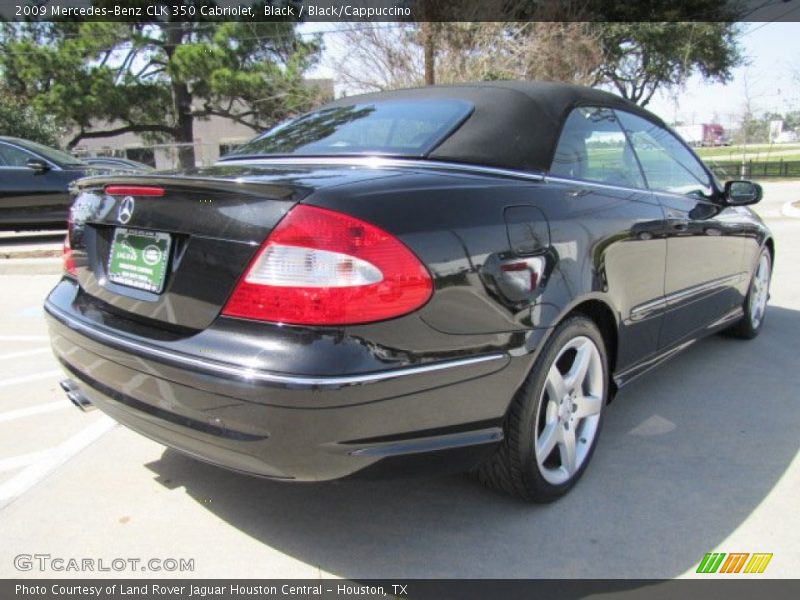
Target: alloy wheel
x=569, y=410
x=760, y=291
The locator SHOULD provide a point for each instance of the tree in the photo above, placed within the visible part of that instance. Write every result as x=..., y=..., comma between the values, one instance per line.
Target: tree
x=374, y=58
x=556, y=51
x=101, y=79
x=620, y=45
x=751, y=129
x=635, y=59
x=394, y=56
x=640, y=58
x=20, y=120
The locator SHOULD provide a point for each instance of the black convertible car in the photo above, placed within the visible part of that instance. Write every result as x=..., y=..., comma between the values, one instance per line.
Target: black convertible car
x=446, y=278
x=34, y=184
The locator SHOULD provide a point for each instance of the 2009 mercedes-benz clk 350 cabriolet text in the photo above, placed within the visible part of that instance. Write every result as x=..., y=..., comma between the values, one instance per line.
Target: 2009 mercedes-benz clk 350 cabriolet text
x=447, y=278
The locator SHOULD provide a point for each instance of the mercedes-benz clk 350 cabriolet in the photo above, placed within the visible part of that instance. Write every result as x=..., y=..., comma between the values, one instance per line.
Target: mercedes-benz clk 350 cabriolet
x=437, y=279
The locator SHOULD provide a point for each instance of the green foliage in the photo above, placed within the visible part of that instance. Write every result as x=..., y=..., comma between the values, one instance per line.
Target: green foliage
x=754, y=129
x=640, y=58
x=155, y=79
x=20, y=120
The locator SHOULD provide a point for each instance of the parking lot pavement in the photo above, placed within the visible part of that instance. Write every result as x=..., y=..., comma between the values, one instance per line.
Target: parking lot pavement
x=38, y=429
x=700, y=455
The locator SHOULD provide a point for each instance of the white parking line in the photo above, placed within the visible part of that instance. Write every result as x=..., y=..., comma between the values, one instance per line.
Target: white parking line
x=33, y=474
x=24, y=353
x=37, y=409
x=23, y=460
x=27, y=378
x=23, y=338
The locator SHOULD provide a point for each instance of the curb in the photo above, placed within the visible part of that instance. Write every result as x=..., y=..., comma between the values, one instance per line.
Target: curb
x=31, y=266
x=38, y=253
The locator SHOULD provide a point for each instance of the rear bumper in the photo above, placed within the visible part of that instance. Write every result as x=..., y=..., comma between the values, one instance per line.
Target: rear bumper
x=439, y=416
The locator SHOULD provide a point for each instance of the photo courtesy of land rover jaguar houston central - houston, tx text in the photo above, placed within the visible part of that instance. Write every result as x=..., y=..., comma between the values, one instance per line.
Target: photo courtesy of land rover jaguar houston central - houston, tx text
x=443, y=279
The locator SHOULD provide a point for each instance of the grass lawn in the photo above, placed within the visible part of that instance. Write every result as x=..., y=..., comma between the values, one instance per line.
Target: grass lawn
x=755, y=152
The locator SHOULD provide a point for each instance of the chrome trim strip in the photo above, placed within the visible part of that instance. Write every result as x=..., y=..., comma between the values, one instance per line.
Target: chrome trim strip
x=628, y=375
x=656, y=193
x=378, y=162
x=634, y=372
x=248, y=374
x=584, y=182
x=677, y=297
x=643, y=310
x=708, y=286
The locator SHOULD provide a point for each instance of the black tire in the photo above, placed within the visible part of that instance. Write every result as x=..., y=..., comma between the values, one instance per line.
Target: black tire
x=514, y=467
x=747, y=327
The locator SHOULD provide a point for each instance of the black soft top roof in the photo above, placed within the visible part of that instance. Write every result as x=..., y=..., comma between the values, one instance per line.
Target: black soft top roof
x=515, y=124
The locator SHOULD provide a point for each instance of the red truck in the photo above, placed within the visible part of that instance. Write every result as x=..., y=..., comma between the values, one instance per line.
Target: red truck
x=704, y=134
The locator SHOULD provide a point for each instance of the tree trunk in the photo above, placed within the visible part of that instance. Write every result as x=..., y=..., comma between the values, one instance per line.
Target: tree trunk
x=184, y=126
x=181, y=101
x=427, y=44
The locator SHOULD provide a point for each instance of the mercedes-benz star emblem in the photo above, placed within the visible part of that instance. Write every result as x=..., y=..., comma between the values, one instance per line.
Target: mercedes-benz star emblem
x=125, y=210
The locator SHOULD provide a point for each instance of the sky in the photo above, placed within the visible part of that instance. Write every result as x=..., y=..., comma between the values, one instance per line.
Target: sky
x=771, y=78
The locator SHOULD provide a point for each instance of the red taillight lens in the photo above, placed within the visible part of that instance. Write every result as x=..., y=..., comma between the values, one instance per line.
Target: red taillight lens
x=66, y=257
x=321, y=267
x=134, y=190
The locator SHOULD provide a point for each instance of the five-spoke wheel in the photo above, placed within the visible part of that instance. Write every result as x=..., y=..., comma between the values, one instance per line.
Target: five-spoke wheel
x=554, y=421
x=569, y=410
x=755, y=304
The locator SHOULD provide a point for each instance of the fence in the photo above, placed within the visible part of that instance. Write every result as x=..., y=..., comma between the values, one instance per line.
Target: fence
x=745, y=169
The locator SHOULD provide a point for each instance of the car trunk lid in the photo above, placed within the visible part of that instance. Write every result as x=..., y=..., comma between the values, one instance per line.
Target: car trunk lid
x=169, y=248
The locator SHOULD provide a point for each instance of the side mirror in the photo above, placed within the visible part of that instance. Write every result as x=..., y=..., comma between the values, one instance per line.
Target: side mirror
x=741, y=193
x=38, y=166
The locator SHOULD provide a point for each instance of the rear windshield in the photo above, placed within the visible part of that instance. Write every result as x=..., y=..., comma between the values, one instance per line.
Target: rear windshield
x=394, y=128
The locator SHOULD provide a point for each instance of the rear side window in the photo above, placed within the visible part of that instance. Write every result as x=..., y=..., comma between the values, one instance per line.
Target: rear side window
x=593, y=147
x=667, y=164
x=394, y=128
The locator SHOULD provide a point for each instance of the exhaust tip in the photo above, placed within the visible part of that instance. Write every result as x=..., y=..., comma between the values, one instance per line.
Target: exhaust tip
x=76, y=396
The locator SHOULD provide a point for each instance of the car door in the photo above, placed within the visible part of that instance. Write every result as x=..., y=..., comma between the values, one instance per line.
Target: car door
x=607, y=210
x=29, y=196
x=704, y=243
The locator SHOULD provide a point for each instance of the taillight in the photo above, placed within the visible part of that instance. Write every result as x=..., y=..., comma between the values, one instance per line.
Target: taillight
x=321, y=267
x=66, y=257
x=134, y=190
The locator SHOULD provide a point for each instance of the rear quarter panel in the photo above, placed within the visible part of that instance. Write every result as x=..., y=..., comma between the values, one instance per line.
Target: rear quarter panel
x=456, y=224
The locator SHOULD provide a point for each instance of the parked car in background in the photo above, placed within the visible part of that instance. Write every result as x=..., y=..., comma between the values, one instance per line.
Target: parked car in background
x=445, y=278
x=120, y=165
x=34, y=182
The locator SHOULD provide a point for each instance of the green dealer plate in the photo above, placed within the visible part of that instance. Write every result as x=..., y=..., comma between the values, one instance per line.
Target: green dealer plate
x=138, y=259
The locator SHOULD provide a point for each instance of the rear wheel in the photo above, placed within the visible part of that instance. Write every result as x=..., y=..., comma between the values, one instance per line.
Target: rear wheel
x=555, y=420
x=755, y=304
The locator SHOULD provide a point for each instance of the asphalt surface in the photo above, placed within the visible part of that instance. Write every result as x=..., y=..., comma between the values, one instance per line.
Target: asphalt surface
x=700, y=455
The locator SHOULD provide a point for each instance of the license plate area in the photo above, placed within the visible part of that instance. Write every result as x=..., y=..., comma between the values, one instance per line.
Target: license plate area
x=139, y=258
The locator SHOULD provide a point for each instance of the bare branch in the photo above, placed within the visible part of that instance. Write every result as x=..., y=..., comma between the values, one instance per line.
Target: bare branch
x=155, y=128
